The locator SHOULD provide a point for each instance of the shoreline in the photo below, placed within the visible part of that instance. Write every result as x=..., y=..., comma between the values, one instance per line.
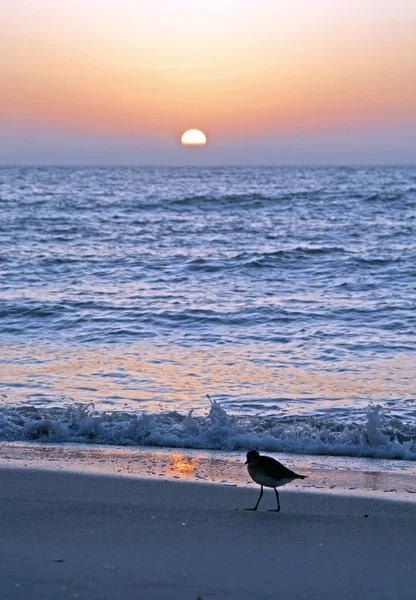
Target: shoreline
x=329, y=475
x=100, y=537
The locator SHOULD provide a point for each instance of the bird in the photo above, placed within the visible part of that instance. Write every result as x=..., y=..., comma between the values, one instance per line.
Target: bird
x=267, y=471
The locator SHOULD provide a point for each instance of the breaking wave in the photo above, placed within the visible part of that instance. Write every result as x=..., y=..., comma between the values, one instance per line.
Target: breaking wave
x=373, y=435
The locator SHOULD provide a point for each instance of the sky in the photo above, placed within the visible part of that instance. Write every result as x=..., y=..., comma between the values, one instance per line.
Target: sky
x=268, y=81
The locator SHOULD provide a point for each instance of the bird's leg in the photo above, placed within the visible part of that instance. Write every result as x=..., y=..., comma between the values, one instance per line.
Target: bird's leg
x=258, y=501
x=278, y=502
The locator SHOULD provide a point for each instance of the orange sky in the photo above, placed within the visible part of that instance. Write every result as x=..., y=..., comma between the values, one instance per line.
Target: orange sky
x=229, y=67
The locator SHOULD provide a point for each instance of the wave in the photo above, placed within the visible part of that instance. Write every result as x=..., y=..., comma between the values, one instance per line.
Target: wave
x=264, y=259
x=214, y=201
x=376, y=435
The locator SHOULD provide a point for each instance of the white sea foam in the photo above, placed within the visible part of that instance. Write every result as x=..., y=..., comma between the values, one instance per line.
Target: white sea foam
x=376, y=435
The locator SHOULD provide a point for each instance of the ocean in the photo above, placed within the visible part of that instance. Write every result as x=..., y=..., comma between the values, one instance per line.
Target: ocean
x=210, y=308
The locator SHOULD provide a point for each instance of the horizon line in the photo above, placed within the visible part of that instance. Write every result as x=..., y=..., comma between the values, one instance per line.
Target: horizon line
x=205, y=166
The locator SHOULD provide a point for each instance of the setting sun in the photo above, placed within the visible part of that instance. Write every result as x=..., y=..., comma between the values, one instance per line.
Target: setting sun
x=193, y=137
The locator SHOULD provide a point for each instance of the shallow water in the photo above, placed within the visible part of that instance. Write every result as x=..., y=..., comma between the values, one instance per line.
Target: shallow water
x=287, y=294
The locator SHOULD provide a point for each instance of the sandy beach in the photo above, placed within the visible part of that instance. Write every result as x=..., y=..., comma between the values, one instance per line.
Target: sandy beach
x=72, y=535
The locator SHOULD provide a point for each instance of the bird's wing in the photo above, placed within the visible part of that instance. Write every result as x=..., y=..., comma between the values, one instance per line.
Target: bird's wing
x=277, y=470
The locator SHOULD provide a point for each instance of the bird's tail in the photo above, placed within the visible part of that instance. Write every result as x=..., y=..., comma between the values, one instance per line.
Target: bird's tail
x=302, y=476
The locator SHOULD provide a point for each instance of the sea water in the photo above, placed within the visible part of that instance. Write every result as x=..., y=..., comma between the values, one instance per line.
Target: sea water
x=286, y=294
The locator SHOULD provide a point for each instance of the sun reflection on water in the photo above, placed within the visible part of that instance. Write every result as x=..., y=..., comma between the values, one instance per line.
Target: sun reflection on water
x=156, y=379
x=180, y=466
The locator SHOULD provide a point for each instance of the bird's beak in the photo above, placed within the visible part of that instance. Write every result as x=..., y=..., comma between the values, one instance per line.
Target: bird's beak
x=246, y=462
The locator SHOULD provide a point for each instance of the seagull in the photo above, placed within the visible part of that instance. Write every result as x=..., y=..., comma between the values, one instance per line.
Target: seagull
x=267, y=471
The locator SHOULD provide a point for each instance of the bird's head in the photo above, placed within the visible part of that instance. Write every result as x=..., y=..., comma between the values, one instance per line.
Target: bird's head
x=252, y=457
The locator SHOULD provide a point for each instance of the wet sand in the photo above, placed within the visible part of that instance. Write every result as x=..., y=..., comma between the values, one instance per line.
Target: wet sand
x=327, y=474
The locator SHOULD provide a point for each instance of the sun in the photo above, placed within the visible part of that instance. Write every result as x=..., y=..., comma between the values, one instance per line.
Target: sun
x=193, y=137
